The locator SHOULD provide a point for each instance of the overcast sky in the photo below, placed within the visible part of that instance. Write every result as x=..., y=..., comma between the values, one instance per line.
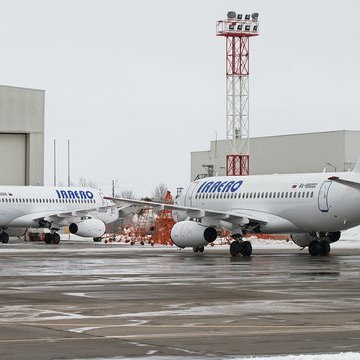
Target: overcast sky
x=137, y=85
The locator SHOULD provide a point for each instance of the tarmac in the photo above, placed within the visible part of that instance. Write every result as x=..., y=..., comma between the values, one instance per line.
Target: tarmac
x=84, y=300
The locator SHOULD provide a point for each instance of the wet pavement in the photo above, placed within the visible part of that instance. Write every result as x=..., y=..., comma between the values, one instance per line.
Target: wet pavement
x=85, y=300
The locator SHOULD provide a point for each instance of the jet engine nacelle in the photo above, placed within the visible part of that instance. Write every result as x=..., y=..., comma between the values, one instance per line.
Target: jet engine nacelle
x=302, y=240
x=88, y=228
x=192, y=234
x=305, y=239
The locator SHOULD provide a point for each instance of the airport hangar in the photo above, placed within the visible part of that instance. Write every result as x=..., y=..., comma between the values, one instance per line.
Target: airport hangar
x=296, y=153
x=21, y=136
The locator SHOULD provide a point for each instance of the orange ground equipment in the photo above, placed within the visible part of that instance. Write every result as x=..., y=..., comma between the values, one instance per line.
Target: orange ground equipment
x=164, y=224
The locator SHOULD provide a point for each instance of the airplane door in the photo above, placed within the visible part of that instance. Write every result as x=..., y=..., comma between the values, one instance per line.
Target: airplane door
x=323, y=196
x=189, y=194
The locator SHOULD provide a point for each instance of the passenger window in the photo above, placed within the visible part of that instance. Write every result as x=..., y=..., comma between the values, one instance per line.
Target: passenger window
x=290, y=195
x=312, y=194
x=299, y=194
x=266, y=195
x=307, y=194
x=303, y=194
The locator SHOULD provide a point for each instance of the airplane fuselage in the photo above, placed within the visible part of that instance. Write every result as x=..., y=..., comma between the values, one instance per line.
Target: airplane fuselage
x=22, y=206
x=294, y=203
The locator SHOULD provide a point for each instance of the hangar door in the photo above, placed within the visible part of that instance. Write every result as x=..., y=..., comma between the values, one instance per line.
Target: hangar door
x=12, y=159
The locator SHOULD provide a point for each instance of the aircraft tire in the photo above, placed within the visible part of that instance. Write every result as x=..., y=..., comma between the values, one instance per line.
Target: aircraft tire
x=315, y=248
x=246, y=248
x=98, y=239
x=55, y=238
x=195, y=249
x=201, y=249
x=235, y=248
x=325, y=247
x=4, y=237
x=48, y=238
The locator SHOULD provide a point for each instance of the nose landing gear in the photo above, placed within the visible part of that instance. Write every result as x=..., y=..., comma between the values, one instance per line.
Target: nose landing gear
x=319, y=247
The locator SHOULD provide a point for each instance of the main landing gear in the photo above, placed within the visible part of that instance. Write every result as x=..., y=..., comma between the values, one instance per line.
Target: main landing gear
x=52, y=238
x=319, y=247
x=4, y=237
x=198, y=249
x=239, y=247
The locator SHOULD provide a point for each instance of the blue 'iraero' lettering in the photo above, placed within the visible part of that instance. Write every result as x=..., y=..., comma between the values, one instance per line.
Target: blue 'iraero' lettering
x=219, y=186
x=70, y=194
x=207, y=187
x=202, y=185
x=89, y=195
x=228, y=186
x=215, y=186
x=236, y=185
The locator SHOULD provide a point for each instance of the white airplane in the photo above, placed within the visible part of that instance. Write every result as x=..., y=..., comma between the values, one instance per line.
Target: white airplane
x=84, y=210
x=313, y=208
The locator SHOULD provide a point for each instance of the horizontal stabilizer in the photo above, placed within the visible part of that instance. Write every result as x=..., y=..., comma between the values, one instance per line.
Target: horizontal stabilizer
x=352, y=184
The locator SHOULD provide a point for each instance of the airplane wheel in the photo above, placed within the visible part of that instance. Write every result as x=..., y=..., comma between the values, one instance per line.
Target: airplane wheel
x=315, y=248
x=201, y=249
x=246, y=248
x=48, y=238
x=4, y=238
x=325, y=247
x=55, y=238
x=235, y=248
x=334, y=236
x=195, y=249
x=98, y=239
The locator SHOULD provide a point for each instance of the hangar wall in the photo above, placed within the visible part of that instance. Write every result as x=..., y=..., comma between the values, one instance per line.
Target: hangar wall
x=21, y=136
x=296, y=153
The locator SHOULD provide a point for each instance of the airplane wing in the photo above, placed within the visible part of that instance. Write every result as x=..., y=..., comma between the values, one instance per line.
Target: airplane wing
x=352, y=184
x=234, y=216
x=60, y=217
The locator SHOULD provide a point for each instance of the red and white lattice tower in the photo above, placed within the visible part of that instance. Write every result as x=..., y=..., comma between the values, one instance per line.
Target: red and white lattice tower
x=237, y=29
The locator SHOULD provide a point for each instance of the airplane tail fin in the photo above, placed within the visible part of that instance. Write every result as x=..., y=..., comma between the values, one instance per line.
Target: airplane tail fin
x=357, y=167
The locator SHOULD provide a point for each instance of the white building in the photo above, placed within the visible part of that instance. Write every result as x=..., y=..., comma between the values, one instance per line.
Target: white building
x=296, y=153
x=21, y=136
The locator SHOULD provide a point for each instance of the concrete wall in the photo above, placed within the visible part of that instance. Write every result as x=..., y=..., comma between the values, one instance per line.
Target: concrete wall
x=287, y=153
x=22, y=112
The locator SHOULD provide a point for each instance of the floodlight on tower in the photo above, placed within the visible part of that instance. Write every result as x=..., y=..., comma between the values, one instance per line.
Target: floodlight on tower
x=237, y=29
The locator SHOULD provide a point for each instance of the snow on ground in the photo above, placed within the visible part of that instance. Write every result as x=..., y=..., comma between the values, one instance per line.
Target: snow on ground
x=351, y=234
